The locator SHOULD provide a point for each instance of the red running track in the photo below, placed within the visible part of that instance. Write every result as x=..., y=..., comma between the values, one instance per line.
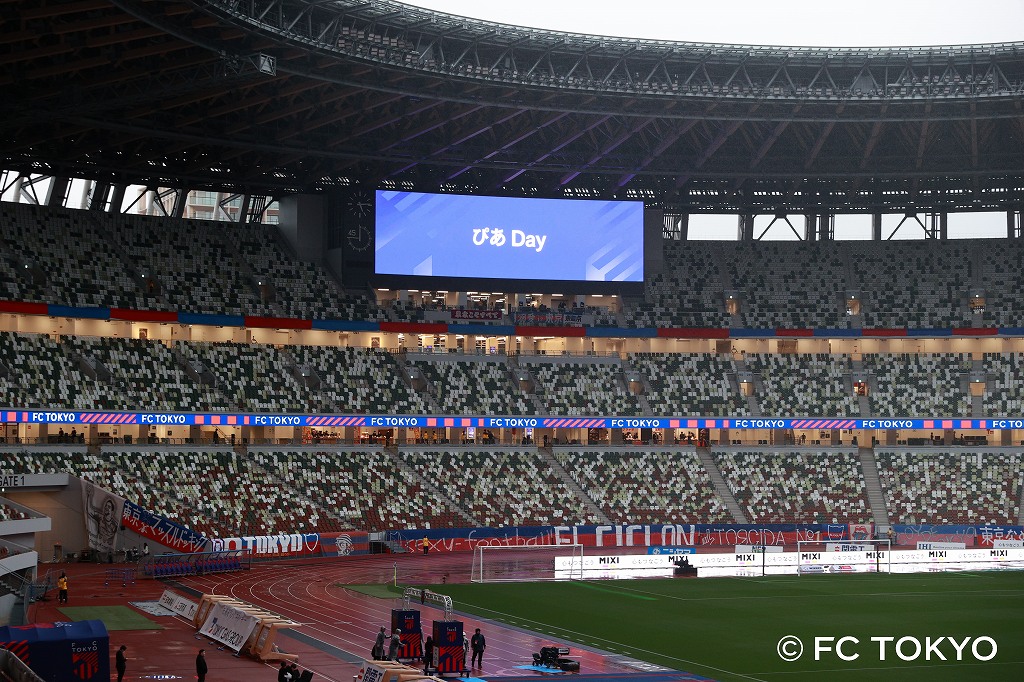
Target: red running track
x=338, y=624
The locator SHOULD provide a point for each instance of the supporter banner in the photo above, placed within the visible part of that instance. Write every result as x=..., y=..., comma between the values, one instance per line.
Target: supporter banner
x=103, y=511
x=988, y=534
x=625, y=535
x=476, y=314
x=913, y=534
x=264, y=546
x=547, y=318
x=19, y=415
x=862, y=531
x=185, y=608
x=349, y=543
x=228, y=625
x=160, y=529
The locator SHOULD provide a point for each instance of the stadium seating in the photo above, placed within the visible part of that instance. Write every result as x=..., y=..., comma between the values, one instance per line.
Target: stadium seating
x=944, y=485
x=474, y=386
x=44, y=373
x=255, y=377
x=500, y=487
x=927, y=384
x=645, y=485
x=688, y=293
x=355, y=380
x=362, y=488
x=1005, y=395
x=141, y=375
x=786, y=284
x=936, y=294
x=693, y=384
x=777, y=486
x=581, y=387
x=811, y=385
x=65, y=257
x=1002, y=281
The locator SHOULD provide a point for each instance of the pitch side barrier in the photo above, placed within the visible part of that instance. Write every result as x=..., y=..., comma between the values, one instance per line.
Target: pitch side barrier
x=59, y=416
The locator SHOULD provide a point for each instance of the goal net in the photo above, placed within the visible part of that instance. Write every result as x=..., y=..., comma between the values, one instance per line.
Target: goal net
x=526, y=563
x=851, y=556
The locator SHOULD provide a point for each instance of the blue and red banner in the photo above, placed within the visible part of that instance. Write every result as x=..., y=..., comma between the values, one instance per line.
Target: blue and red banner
x=61, y=416
x=161, y=530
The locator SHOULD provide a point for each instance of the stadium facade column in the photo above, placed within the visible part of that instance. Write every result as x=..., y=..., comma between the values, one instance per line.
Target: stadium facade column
x=876, y=227
x=1014, y=223
x=746, y=227
x=57, y=193
x=810, y=227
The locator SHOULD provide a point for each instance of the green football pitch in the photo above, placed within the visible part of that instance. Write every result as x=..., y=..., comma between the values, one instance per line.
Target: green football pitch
x=730, y=628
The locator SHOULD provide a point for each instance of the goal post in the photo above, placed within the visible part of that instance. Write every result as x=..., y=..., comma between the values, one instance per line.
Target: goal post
x=526, y=563
x=844, y=556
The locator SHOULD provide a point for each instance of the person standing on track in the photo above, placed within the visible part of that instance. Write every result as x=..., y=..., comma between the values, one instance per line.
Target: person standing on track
x=426, y=546
x=378, y=646
x=201, y=667
x=62, y=588
x=396, y=644
x=121, y=663
x=478, y=643
x=428, y=654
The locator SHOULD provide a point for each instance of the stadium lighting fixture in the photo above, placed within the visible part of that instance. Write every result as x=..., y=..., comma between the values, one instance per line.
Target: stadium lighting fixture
x=265, y=63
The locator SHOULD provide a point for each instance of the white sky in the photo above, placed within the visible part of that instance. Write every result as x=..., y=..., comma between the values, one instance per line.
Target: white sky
x=825, y=23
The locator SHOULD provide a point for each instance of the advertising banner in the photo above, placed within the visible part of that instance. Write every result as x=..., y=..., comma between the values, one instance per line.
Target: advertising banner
x=228, y=625
x=186, y=608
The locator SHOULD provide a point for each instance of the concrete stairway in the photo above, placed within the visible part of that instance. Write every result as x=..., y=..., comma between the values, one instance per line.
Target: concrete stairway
x=549, y=458
x=873, y=487
x=412, y=473
x=721, y=487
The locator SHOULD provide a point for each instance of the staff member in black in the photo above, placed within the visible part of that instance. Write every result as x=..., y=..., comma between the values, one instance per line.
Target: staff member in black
x=201, y=668
x=121, y=662
x=478, y=643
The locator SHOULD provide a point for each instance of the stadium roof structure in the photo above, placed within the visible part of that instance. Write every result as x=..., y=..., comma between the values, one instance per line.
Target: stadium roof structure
x=279, y=97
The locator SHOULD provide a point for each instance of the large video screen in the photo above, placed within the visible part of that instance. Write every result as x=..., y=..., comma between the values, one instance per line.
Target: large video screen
x=446, y=236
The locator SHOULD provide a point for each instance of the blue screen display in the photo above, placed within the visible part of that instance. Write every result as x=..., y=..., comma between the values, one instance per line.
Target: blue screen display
x=445, y=235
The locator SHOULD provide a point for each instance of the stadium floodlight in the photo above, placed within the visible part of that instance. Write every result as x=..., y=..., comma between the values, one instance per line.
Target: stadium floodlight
x=265, y=63
x=525, y=563
x=844, y=556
